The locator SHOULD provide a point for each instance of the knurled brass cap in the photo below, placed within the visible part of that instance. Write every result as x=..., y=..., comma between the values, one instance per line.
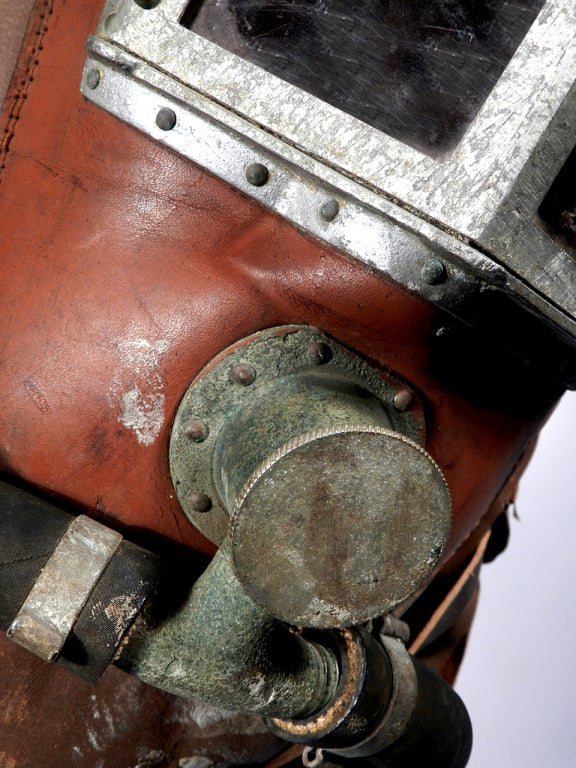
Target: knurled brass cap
x=340, y=525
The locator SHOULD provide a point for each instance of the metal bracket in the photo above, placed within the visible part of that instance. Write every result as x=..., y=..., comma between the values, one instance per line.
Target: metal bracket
x=63, y=587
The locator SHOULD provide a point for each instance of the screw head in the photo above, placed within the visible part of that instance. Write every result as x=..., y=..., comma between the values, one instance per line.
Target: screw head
x=197, y=431
x=166, y=119
x=200, y=502
x=434, y=272
x=319, y=353
x=243, y=374
x=93, y=78
x=329, y=210
x=257, y=174
x=403, y=400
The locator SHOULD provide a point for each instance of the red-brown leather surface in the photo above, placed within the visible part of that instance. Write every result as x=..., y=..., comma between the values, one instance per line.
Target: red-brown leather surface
x=125, y=269
x=49, y=719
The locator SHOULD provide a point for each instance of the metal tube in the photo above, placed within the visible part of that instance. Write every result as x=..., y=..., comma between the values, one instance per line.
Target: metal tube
x=222, y=648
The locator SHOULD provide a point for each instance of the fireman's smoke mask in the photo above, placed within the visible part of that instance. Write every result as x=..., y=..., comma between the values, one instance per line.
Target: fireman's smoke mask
x=430, y=142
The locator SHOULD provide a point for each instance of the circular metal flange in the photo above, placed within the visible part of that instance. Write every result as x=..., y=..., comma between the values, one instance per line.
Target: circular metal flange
x=340, y=526
x=243, y=380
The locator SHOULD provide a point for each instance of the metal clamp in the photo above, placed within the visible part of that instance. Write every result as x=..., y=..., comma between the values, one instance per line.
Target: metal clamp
x=54, y=603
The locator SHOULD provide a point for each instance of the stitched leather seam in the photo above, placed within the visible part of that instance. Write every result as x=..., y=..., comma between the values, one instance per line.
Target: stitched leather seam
x=21, y=94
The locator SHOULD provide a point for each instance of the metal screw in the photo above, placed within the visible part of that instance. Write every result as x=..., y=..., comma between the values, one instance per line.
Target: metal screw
x=319, y=353
x=200, y=502
x=329, y=210
x=403, y=400
x=93, y=78
x=434, y=272
x=243, y=374
x=257, y=174
x=166, y=119
x=197, y=431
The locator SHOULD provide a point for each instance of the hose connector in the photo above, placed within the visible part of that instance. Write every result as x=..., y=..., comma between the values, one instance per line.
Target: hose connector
x=389, y=707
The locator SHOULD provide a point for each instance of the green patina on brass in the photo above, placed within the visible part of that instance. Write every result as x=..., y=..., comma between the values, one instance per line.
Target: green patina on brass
x=220, y=647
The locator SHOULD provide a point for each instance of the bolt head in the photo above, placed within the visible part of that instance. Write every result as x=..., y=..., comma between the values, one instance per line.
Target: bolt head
x=319, y=353
x=329, y=210
x=166, y=119
x=403, y=400
x=200, y=502
x=257, y=174
x=197, y=431
x=93, y=78
x=434, y=272
x=243, y=374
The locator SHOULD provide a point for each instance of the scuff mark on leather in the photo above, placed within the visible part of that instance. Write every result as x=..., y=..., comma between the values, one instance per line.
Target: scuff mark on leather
x=136, y=393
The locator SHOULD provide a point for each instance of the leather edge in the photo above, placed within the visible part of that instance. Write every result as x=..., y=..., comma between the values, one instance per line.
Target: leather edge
x=23, y=74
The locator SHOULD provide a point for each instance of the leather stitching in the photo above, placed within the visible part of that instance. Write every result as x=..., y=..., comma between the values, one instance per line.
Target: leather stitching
x=35, y=43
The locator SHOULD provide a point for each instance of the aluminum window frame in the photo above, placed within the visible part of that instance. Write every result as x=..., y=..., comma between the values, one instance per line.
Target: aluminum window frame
x=486, y=191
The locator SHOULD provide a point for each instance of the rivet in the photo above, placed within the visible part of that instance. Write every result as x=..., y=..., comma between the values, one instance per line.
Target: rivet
x=200, y=502
x=197, y=431
x=166, y=119
x=329, y=210
x=243, y=374
x=147, y=4
x=319, y=353
x=93, y=78
x=257, y=174
x=403, y=400
x=434, y=272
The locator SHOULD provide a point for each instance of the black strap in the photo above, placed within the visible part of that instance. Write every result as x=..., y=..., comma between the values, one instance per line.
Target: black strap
x=30, y=529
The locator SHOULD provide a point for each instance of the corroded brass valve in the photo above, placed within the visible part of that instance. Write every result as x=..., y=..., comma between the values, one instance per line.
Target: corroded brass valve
x=312, y=464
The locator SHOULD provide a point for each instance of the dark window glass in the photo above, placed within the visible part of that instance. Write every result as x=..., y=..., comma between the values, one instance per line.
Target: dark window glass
x=558, y=209
x=419, y=70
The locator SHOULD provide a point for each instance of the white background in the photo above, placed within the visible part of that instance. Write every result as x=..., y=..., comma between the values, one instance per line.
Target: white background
x=518, y=678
